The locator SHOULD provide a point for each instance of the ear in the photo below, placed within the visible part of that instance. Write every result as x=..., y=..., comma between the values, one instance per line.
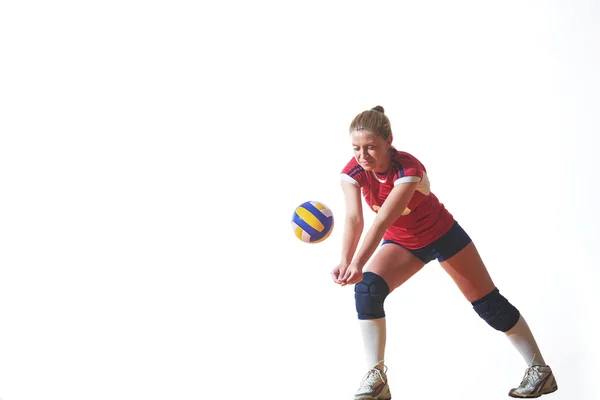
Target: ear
x=389, y=140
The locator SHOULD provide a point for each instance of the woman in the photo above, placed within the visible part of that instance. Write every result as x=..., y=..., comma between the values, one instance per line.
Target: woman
x=416, y=229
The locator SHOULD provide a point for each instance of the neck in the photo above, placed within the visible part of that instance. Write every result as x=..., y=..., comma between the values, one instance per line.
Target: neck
x=385, y=166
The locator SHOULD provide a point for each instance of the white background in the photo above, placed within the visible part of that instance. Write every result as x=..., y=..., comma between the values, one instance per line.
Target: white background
x=152, y=154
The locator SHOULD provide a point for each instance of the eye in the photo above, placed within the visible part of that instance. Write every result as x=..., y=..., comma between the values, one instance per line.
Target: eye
x=371, y=147
x=355, y=148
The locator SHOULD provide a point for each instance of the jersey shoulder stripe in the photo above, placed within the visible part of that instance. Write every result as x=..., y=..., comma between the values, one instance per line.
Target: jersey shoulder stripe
x=355, y=171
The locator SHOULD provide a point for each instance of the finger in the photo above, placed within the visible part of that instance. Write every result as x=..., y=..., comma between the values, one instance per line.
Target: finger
x=345, y=276
x=336, y=280
x=351, y=278
x=355, y=278
x=335, y=276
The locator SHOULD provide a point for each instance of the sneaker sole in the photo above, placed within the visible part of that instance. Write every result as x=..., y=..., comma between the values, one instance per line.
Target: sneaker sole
x=533, y=396
x=374, y=398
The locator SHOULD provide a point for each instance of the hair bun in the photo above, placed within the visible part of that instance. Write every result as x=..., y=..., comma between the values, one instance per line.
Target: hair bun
x=379, y=109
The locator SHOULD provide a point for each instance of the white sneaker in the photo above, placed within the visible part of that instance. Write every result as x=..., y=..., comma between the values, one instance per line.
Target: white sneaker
x=374, y=386
x=538, y=380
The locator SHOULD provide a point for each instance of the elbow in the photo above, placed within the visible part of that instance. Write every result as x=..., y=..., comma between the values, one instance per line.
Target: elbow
x=356, y=221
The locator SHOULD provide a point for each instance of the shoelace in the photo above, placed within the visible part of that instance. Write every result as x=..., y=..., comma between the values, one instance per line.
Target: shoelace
x=530, y=377
x=371, y=377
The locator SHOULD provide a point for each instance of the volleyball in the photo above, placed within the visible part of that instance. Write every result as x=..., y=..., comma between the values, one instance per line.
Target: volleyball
x=312, y=222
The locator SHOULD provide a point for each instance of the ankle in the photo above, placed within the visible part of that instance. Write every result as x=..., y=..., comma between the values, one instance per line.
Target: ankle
x=379, y=366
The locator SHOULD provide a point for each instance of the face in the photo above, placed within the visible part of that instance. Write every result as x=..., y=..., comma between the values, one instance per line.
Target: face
x=370, y=150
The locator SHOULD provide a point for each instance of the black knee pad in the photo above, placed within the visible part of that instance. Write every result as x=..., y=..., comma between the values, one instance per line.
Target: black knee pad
x=497, y=311
x=369, y=295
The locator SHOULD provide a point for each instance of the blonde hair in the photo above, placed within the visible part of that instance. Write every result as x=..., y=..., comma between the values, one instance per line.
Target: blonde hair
x=373, y=120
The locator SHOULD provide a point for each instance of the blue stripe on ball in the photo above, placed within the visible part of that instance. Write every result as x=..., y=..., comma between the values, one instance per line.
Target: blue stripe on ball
x=305, y=227
x=326, y=221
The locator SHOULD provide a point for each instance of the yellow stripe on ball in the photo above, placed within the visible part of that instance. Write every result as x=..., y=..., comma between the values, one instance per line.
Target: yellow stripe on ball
x=326, y=236
x=310, y=219
x=298, y=231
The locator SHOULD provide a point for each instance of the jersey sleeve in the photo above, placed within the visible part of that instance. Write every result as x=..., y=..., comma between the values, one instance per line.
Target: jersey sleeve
x=407, y=169
x=353, y=173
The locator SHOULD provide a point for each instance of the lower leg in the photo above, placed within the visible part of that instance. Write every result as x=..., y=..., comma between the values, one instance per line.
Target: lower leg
x=501, y=315
x=374, y=335
x=522, y=339
x=370, y=295
x=468, y=271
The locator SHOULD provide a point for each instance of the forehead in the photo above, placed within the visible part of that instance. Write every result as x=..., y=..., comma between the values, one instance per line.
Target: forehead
x=363, y=137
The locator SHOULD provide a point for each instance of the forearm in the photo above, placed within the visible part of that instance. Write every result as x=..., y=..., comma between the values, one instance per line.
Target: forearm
x=352, y=230
x=391, y=210
x=370, y=244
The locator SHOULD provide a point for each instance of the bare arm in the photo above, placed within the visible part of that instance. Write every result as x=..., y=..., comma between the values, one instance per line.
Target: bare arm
x=353, y=228
x=390, y=211
x=353, y=223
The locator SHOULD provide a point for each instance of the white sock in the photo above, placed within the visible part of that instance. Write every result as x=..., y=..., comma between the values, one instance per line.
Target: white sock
x=521, y=337
x=373, y=334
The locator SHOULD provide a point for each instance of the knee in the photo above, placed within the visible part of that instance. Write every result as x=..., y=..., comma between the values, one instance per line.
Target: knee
x=369, y=294
x=497, y=311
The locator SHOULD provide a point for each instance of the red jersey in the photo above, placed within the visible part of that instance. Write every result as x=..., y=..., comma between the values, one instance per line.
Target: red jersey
x=424, y=220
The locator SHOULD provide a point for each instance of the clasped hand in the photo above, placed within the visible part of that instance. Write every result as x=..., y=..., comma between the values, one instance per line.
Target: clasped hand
x=347, y=274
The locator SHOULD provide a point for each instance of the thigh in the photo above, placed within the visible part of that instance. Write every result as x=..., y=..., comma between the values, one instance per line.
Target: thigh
x=469, y=273
x=394, y=264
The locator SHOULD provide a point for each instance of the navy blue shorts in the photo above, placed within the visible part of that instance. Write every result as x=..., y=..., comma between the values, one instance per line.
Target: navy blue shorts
x=445, y=247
